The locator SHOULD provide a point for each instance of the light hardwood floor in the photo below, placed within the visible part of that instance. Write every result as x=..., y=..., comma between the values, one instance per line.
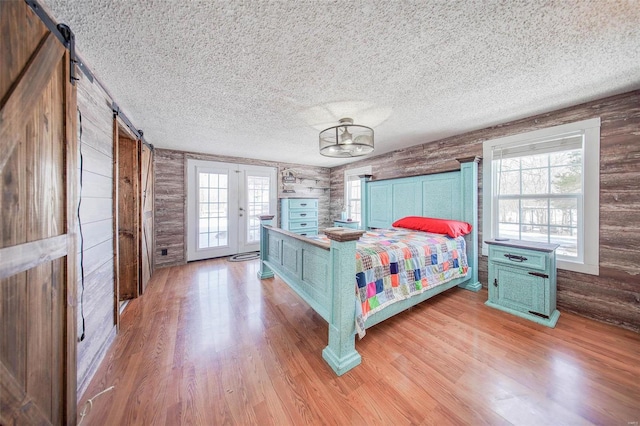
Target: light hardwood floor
x=210, y=344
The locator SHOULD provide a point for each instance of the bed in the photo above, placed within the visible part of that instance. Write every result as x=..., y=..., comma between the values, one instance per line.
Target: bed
x=324, y=272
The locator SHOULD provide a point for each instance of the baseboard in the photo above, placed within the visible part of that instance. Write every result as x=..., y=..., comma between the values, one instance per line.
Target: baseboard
x=95, y=363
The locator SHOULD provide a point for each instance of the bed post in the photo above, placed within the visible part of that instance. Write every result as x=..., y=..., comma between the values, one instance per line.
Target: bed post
x=364, y=201
x=469, y=182
x=264, y=271
x=341, y=352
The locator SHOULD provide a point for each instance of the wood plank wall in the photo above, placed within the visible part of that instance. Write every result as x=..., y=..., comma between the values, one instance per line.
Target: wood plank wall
x=170, y=196
x=96, y=217
x=614, y=295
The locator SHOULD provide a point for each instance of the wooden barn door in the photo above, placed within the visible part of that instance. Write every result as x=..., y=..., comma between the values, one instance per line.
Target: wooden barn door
x=38, y=162
x=146, y=212
x=135, y=195
x=128, y=217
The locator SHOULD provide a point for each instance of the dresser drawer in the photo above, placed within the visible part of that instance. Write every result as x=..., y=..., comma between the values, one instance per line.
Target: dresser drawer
x=516, y=257
x=300, y=215
x=303, y=214
x=303, y=203
x=297, y=225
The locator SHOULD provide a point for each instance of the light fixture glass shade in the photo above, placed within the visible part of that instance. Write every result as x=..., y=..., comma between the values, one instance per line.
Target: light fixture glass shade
x=346, y=140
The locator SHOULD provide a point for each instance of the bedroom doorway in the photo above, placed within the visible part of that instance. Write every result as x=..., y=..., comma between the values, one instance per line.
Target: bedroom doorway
x=224, y=202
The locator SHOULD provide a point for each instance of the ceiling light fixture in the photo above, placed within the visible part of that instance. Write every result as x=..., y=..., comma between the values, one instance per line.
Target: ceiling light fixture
x=346, y=140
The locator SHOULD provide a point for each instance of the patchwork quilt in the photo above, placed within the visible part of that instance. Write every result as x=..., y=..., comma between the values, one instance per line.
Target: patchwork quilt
x=395, y=264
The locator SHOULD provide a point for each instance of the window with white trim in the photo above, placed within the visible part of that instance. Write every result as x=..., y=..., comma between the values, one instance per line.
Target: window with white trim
x=544, y=186
x=353, y=194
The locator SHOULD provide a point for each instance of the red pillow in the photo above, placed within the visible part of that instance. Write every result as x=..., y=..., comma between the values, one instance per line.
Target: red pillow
x=452, y=228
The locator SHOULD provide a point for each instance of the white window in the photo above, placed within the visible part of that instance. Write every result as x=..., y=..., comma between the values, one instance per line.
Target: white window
x=353, y=194
x=544, y=186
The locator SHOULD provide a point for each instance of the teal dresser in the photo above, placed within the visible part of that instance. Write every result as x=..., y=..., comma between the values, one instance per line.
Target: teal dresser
x=522, y=279
x=346, y=224
x=299, y=215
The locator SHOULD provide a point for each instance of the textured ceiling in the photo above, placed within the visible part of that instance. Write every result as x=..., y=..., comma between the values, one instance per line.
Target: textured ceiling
x=259, y=79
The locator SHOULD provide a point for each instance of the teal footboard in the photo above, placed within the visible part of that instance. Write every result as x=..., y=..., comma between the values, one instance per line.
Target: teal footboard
x=323, y=275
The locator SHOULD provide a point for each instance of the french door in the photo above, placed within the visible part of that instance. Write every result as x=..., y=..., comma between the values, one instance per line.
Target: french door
x=224, y=202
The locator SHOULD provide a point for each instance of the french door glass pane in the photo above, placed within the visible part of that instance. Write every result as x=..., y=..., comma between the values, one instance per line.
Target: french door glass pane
x=257, y=205
x=212, y=210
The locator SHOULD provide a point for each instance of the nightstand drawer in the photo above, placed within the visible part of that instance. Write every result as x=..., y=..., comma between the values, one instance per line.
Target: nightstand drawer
x=516, y=257
x=303, y=203
x=346, y=224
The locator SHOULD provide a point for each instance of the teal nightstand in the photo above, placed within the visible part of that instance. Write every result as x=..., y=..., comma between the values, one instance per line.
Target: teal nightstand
x=346, y=224
x=522, y=279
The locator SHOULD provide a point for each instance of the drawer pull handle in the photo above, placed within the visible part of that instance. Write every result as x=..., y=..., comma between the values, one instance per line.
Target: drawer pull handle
x=303, y=234
x=303, y=224
x=303, y=214
x=539, y=274
x=303, y=204
x=515, y=257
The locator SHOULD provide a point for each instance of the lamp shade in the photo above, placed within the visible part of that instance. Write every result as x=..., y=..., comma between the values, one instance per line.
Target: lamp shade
x=346, y=140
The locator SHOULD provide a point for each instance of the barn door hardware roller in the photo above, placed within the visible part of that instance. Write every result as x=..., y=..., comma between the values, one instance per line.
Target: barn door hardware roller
x=70, y=40
x=66, y=37
x=137, y=132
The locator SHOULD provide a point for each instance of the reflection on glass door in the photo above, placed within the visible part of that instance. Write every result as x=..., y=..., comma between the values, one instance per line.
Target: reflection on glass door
x=224, y=203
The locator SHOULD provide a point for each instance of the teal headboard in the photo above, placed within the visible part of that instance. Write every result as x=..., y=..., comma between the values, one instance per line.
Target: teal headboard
x=438, y=195
x=449, y=195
